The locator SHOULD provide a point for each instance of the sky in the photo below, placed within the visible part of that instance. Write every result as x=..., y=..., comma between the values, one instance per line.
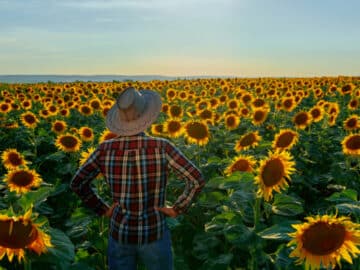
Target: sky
x=244, y=38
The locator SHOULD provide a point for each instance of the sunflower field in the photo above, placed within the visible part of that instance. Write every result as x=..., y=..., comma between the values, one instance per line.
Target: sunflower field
x=281, y=159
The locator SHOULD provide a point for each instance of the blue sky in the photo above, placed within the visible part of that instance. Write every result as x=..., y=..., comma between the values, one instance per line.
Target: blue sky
x=248, y=38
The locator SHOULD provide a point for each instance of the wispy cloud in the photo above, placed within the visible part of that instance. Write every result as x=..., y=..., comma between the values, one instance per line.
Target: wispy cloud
x=110, y=4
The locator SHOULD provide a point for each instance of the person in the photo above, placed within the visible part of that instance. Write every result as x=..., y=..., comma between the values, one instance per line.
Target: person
x=136, y=167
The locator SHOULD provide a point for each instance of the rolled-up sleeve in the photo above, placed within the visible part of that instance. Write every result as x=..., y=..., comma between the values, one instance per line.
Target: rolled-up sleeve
x=81, y=184
x=186, y=171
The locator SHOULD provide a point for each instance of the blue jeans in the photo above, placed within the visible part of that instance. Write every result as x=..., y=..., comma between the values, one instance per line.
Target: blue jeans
x=155, y=255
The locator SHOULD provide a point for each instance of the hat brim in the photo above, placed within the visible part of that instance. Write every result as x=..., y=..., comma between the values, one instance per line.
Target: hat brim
x=124, y=128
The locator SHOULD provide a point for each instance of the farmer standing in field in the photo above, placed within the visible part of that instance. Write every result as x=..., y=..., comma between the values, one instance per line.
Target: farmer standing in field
x=136, y=167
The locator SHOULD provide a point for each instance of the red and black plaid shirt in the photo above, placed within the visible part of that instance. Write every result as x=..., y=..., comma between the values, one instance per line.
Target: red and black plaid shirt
x=136, y=168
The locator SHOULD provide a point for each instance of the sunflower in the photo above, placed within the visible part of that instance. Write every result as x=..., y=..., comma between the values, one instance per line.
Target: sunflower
x=44, y=113
x=259, y=116
x=171, y=93
x=68, y=143
x=12, y=159
x=241, y=163
x=353, y=104
x=351, y=145
x=288, y=104
x=302, y=119
x=233, y=104
x=273, y=173
x=85, y=110
x=175, y=111
x=317, y=113
x=29, y=120
x=247, y=141
x=352, y=122
x=95, y=104
x=214, y=102
x=258, y=102
x=197, y=132
x=165, y=107
x=84, y=155
x=52, y=109
x=5, y=107
x=157, y=129
x=347, y=89
x=22, y=180
x=107, y=135
x=285, y=139
x=206, y=115
x=183, y=95
x=244, y=111
x=173, y=128
x=323, y=241
x=64, y=112
x=232, y=121
x=58, y=126
x=20, y=233
x=246, y=98
x=86, y=134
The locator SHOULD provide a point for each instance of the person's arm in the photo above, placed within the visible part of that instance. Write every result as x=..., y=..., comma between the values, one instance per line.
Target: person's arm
x=81, y=185
x=188, y=172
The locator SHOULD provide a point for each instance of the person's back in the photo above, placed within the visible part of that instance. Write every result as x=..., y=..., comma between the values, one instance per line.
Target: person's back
x=136, y=167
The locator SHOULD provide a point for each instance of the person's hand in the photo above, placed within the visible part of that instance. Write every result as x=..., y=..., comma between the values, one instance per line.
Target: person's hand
x=168, y=211
x=109, y=212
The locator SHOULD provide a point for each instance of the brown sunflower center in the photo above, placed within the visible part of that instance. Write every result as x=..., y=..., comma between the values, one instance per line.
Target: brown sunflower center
x=322, y=238
x=285, y=139
x=22, y=178
x=95, y=104
x=159, y=128
x=197, y=131
x=259, y=116
x=87, y=133
x=301, y=118
x=4, y=107
x=346, y=88
x=273, y=172
x=206, y=114
x=258, y=102
x=288, y=103
x=171, y=94
x=230, y=121
x=248, y=139
x=353, y=103
x=59, y=127
x=353, y=142
x=241, y=165
x=315, y=113
x=30, y=119
x=68, y=141
x=173, y=126
x=85, y=110
x=16, y=234
x=175, y=110
x=351, y=123
x=246, y=98
x=233, y=104
x=14, y=159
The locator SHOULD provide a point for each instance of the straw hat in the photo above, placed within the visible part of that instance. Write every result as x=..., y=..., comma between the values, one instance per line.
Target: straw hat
x=133, y=112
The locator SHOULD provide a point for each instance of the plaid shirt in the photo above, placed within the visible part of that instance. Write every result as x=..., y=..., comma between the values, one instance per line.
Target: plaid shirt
x=136, y=168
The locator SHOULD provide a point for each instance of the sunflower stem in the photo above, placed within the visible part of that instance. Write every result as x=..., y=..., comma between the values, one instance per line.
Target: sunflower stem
x=257, y=212
x=27, y=265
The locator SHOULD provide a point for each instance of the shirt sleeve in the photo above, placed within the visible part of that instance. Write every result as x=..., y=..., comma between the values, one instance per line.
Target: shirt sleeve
x=186, y=171
x=81, y=184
